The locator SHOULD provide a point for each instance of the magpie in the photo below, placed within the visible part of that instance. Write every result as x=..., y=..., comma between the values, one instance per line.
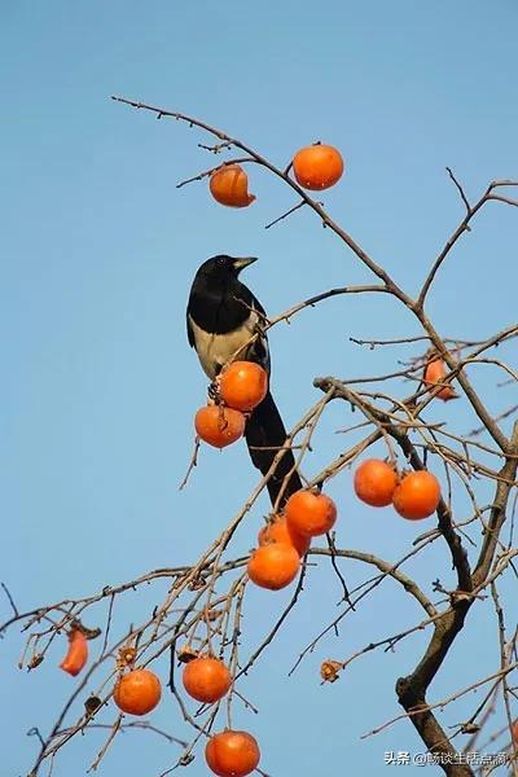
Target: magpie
x=224, y=323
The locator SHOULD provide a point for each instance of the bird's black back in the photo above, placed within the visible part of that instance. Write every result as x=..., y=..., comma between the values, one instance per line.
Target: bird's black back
x=220, y=305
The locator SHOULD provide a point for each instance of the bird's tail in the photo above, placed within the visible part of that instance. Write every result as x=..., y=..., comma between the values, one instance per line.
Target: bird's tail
x=265, y=434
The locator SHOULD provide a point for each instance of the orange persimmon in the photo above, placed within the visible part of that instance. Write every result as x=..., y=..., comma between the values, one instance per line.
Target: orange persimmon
x=243, y=385
x=273, y=566
x=229, y=186
x=318, y=167
x=219, y=426
x=137, y=692
x=434, y=373
x=310, y=513
x=278, y=531
x=77, y=653
x=375, y=482
x=206, y=679
x=232, y=753
x=417, y=495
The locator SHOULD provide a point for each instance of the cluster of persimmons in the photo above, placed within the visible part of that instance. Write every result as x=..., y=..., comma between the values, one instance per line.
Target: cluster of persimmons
x=239, y=388
x=286, y=538
x=205, y=678
x=414, y=495
x=315, y=167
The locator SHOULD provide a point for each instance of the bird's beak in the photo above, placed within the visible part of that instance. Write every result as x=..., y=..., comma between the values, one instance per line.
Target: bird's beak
x=241, y=262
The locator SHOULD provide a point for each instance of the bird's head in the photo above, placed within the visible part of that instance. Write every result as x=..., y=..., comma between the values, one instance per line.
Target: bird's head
x=223, y=268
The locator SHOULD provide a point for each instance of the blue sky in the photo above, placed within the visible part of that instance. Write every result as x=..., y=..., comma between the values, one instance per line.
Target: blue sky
x=98, y=251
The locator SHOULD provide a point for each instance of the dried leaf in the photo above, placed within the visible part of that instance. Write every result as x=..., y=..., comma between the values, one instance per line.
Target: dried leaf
x=186, y=653
x=329, y=670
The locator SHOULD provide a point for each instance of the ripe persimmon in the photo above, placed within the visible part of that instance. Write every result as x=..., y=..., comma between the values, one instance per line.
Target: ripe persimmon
x=77, y=653
x=310, y=513
x=219, y=426
x=375, y=482
x=434, y=373
x=137, y=692
x=229, y=186
x=417, y=495
x=278, y=531
x=232, y=753
x=273, y=566
x=514, y=730
x=206, y=679
x=243, y=385
x=318, y=167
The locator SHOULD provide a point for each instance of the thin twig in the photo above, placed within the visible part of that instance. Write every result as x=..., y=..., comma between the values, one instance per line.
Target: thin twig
x=286, y=214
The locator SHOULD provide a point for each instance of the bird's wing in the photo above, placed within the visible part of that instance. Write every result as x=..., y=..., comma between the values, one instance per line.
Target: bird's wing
x=257, y=305
x=260, y=348
x=190, y=333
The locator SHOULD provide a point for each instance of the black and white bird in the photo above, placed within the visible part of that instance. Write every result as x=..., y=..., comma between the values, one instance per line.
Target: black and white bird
x=224, y=323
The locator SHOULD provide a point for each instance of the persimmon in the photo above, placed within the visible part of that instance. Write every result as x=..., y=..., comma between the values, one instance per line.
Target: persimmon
x=310, y=513
x=219, y=426
x=77, y=653
x=229, y=186
x=514, y=730
x=417, y=495
x=243, y=385
x=232, y=753
x=434, y=373
x=137, y=692
x=375, y=482
x=273, y=566
x=278, y=531
x=206, y=679
x=318, y=167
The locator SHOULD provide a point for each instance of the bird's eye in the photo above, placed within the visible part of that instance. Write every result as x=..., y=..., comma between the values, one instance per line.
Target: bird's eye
x=221, y=261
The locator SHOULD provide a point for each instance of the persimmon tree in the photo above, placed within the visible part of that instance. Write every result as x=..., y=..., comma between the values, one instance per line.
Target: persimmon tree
x=201, y=616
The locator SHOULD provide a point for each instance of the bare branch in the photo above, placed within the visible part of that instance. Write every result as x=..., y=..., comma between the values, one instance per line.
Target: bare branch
x=460, y=190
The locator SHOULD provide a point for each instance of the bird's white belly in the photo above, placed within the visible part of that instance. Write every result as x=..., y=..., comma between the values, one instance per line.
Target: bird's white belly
x=214, y=351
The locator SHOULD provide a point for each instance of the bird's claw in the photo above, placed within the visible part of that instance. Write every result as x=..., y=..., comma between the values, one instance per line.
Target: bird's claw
x=213, y=391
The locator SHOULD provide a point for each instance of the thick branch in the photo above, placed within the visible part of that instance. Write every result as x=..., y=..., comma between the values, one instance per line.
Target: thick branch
x=411, y=690
x=498, y=512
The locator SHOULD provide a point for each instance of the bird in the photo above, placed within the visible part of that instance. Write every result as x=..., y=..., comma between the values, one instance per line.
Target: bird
x=225, y=322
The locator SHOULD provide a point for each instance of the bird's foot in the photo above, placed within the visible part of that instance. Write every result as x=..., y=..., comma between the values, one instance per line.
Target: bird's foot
x=213, y=392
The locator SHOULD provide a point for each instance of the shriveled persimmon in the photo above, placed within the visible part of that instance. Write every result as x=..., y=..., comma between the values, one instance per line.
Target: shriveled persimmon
x=278, y=531
x=310, y=513
x=77, y=653
x=137, y=692
x=243, y=385
x=229, y=186
x=206, y=679
x=375, y=482
x=318, y=167
x=434, y=374
x=273, y=566
x=219, y=426
x=232, y=753
x=417, y=495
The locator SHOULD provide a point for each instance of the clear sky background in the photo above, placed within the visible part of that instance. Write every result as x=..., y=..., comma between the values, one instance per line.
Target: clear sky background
x=98, y=383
